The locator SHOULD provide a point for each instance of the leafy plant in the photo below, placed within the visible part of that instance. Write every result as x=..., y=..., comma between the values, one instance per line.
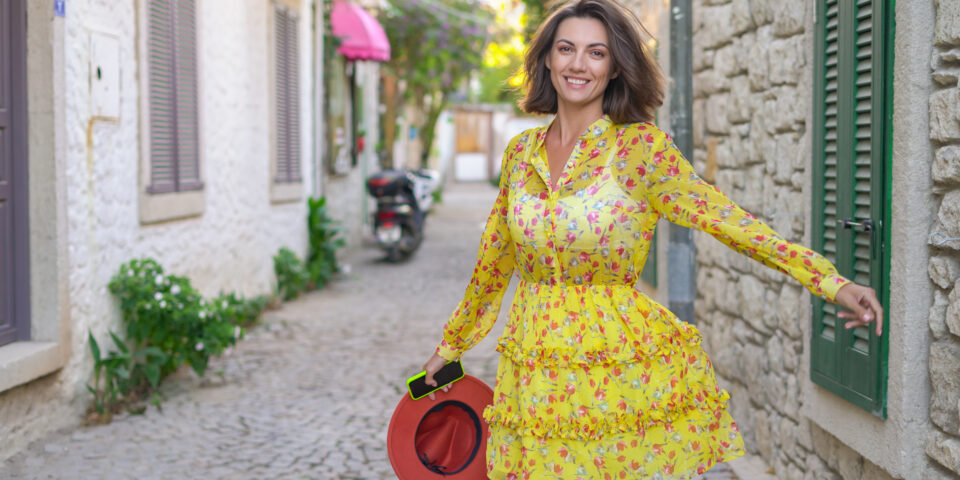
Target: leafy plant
x=292, y=275
x=167, y=323
x=323, y=234
x=295, y=276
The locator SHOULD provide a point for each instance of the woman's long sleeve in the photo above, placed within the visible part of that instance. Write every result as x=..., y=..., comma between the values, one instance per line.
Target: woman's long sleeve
x=478, y=311
x=675, y=190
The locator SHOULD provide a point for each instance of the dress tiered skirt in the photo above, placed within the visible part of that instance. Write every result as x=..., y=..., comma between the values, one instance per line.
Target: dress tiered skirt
x=601, y=382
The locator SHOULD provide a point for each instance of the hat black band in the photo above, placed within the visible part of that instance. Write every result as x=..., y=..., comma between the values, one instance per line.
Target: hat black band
x=441, y=469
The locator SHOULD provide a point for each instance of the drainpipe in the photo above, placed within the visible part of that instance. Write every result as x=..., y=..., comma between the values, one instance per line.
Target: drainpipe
x=681, y=252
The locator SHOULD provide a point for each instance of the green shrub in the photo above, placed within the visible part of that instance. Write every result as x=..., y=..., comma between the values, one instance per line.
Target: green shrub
x=294, y=276
x=323, y=233
x=167, y=323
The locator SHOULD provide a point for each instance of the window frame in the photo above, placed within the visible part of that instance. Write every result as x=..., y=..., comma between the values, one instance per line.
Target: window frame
x=166, y=206
x=284, y=191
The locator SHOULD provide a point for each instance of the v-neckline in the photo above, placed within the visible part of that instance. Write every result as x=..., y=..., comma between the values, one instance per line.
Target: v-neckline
x=544, y=163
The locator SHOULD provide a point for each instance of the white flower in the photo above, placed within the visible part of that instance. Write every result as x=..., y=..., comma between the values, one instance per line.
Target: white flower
x=236, y=332
x=158, y=296
x=158, y=280
x=224, y=304
x=163, y=304
x=175, y=289
x=199, y=346
x=203, y=314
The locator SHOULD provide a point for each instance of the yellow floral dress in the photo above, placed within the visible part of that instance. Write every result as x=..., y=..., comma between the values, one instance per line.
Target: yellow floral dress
x=596, y=380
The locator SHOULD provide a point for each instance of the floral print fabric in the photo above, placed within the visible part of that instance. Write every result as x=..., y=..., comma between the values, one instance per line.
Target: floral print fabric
x=596, y=380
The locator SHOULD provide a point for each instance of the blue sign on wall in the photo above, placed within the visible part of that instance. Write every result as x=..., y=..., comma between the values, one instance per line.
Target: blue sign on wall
x=59, y=7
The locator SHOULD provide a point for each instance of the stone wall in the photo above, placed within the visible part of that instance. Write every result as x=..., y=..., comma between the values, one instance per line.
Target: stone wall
x=943, y=441
x=753, y=64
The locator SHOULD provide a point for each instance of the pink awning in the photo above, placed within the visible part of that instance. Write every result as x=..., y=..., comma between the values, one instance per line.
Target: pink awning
x=361, y=35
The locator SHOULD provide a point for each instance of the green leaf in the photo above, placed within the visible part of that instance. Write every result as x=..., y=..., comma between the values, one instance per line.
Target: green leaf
x=94, y=348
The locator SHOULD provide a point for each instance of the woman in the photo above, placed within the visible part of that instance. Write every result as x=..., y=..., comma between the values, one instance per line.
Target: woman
x=596, y=380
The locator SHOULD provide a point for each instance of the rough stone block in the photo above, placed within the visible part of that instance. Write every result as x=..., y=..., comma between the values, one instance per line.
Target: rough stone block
x=740, y=101
x=702, y=59
x=946, y=165
x=789, y=18
x=758, y=64
x=945, y=385
x=945, y=115
x=716, y=113
x=717, y=29
x=938, y=314
x=791, y=359
x=787, y=149
x=953, y=312
x=709, y=82
x=740, y=18
x=726, y=61
x=944, y=449
x=786, y=60
x=699, y=122
x=944, y=270
x=789, y=307
x=947, y=30
x=946, y=67
x=765, y=442
x=751, y=305
x=949, y=217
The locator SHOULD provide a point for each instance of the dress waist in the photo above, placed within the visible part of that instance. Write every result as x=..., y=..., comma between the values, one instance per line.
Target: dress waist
x=590, y=324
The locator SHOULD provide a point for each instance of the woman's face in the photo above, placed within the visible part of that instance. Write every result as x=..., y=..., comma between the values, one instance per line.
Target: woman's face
x=579, y=62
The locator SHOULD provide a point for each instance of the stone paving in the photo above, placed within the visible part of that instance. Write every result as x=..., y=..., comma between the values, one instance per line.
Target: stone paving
x=309, y=392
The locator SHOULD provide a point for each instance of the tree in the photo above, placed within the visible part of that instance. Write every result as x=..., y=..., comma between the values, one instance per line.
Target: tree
x=435, y=45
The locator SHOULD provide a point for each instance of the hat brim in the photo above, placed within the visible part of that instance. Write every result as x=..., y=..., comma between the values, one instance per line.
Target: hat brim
x=401, y=445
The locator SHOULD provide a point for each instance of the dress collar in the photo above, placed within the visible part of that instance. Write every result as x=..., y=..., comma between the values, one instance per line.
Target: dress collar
x=594, y=130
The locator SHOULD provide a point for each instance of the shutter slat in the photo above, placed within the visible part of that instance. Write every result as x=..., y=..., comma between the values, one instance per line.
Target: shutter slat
x=160, y=72
x=188, y=155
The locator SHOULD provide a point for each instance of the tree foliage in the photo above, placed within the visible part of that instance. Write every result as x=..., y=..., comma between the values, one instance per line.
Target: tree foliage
x=435, y=45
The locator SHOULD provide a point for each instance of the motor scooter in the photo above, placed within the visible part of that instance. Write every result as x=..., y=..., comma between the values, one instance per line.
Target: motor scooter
x=403, y=199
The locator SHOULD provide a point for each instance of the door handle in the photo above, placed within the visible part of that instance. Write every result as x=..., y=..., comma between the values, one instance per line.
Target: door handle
x=867, y=225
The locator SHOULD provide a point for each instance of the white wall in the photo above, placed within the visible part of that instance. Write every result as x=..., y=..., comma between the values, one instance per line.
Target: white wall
x=228, y=247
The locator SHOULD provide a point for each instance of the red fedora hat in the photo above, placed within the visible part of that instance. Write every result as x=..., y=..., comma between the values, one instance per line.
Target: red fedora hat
x=444, y=438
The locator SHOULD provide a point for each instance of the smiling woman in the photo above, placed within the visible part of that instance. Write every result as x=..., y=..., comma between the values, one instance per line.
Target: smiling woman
x=596, y=380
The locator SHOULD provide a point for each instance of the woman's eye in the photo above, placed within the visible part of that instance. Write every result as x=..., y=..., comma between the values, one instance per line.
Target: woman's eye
x=598, y=54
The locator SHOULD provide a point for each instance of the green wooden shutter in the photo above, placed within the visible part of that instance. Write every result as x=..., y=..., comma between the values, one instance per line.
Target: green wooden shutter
x=851, y=154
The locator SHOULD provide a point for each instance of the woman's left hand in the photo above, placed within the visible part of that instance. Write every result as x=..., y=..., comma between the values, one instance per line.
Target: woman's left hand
x=862, y=304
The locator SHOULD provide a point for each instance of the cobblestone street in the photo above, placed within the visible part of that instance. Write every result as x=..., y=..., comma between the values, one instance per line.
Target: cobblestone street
x=310, y=391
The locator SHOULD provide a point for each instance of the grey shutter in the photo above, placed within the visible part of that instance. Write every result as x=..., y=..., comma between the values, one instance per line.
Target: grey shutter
x=286, y=95
x=14, y=277
x=172, y=90
x=188, y=124
x=161, y=72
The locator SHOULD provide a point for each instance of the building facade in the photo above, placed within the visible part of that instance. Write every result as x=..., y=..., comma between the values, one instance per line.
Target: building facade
x=836, y=122
x=180, y=130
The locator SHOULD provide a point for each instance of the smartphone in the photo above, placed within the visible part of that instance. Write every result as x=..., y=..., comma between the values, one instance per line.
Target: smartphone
x=448, y=374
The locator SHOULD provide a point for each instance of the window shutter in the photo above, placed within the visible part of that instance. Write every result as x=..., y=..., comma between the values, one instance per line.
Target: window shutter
x=851, y=152
x=188, y=125
x=287, y=97
x=162, y=99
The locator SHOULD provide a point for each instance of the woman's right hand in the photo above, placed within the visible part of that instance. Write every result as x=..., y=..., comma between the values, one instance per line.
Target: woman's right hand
x=433, y=366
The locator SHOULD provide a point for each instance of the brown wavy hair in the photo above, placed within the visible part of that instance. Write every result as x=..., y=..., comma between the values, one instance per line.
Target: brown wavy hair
x=632, y=96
